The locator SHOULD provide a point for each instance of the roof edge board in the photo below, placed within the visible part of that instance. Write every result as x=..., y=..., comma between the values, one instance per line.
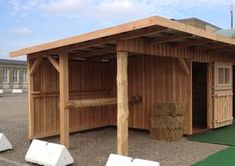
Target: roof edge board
x=127, y=27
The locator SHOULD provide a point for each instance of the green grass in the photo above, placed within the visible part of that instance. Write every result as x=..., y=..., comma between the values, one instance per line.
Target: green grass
x=222, y=158
x=222, y=136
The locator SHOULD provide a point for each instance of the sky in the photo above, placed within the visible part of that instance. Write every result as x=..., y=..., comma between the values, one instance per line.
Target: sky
x=24, y=23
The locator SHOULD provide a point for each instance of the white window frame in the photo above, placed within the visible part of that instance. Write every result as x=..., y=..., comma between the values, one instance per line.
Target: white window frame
x=7, y=76
x=17, y=76
x=25, y=76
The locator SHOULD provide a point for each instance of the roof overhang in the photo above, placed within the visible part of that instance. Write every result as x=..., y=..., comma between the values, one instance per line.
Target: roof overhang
x=156, y=29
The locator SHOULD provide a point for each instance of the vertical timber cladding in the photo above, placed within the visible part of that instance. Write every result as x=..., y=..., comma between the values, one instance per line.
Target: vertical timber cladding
x=86, y=80
x=155, y=79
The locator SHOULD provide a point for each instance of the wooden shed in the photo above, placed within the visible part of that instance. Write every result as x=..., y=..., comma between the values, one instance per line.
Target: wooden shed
x=114, y=77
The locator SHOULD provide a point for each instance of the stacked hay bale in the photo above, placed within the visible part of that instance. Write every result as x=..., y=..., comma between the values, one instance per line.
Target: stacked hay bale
x=167, y=121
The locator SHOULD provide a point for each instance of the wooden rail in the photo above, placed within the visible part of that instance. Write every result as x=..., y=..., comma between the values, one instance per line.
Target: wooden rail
x=90, y=102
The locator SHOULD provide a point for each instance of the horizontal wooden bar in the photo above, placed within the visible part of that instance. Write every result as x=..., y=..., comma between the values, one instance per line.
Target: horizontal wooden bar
x=91, y=102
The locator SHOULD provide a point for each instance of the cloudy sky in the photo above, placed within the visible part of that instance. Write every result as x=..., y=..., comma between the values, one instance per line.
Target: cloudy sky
x=28, y=22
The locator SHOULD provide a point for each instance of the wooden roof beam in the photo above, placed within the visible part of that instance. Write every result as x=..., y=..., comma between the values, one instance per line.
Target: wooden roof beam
x=95, y=52
x=225, y=51
x=192, y=43
x=212, y=46
x=106, y=40
x=170, y=38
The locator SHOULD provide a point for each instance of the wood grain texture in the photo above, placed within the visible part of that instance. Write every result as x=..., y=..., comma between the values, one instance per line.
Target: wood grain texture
x=64, y=98
x=91, y=102
x=155, y=79
x=122, y=103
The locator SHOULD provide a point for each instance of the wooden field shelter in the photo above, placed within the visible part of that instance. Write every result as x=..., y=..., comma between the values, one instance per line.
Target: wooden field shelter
x=114, y=77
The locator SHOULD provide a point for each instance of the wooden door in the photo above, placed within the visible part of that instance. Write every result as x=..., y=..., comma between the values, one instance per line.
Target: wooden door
x=222, y=95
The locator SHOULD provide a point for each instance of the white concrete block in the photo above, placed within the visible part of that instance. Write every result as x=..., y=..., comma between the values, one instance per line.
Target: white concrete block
x=140, y=162
x=48, y=154
x=4, y=143
x=118, y=160
x=1, y=91
x=17, y=91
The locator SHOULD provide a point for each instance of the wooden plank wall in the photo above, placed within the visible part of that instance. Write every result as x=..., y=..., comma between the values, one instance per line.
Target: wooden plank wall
x=142, y=46
x=155, y=79
x=87, y=80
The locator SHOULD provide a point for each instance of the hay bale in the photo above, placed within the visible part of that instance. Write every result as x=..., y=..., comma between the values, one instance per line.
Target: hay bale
x=167, y=135
x=168, y=122
x=168, y=109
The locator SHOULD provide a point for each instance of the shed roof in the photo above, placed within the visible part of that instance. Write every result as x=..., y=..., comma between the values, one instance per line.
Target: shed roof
x=149, y=28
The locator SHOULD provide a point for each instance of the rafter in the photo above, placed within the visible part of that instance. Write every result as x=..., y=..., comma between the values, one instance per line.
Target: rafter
x=95, y=52
x=212, y=46
x=169, y=38
x=224, y=51
x=192, y=43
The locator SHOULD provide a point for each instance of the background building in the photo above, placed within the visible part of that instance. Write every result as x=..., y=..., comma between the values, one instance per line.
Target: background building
x=13, y=75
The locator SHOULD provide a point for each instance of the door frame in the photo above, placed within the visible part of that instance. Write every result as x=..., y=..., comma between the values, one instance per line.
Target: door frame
x=209, y=75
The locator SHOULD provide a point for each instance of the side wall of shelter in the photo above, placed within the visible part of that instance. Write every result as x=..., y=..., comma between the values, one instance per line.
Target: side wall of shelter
x=155, y=79
x=87, y=80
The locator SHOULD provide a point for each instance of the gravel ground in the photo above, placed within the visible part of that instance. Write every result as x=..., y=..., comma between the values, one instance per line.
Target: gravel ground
x=93, y=147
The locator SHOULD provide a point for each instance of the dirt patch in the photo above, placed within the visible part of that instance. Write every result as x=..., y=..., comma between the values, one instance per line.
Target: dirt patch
x=93, y=147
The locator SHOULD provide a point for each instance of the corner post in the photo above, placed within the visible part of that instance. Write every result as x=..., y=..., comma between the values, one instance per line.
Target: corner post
x=64, y=98
x=30, y=100
x=122, y=103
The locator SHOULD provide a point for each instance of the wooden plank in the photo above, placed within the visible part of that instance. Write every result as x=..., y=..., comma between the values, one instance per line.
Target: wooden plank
x=94, y=52
x=209, y=96
x=184, y=66
x=211, y=46
x=188, y=97
x=122, y=100
x=170, y=38
x=197, y=42
x=54, y=62
x=141, y=46
x=125, y=28
x=30, y=103
x=91, y=102
x=64, y=98
x=35, y=65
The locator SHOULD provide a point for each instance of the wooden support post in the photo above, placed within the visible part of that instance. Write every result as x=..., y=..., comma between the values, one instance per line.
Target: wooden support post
x=122, y=106
x=209, y=95
x=64, y=98
x=188, y=100
x=31, y=101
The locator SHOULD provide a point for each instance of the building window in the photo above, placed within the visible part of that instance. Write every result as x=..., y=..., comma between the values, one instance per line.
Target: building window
x=24, y=76
x=15, y=76
x=5, y=75
x=224, y=75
